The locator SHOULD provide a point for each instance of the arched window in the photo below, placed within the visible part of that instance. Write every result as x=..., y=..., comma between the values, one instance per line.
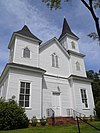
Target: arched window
x=77, y=66
x=73, y=45
x=26, y=53
x=54, y=60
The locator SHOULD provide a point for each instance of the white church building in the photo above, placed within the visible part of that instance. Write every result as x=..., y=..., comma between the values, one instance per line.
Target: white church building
x=47, y=77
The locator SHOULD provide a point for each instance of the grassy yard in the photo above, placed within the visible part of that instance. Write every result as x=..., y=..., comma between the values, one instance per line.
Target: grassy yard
x=58, y=129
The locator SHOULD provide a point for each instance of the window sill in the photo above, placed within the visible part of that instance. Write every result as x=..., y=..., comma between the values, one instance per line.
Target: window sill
x=55, y=67
x=86, y=109
x=28, y=108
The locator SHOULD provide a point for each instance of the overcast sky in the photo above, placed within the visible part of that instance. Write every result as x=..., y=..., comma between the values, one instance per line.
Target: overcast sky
x=45, y=24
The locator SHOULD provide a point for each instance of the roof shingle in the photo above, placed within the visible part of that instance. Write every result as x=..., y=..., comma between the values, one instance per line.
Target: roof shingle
x=66, y=30
x=26, y=32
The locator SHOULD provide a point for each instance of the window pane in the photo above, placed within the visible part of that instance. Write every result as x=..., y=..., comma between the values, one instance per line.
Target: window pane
x=77, y=66
x=21, y=97
x=21, y=103
x=53, y=60
x=26, y=53
x=27, y=91
x=26, y=103
x=22, y=84
x=27, y=85
x=22, y=90
x=26, y=97
x=56, y=61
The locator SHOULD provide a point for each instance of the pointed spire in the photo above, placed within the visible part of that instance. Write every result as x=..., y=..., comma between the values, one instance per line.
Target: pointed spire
x=26, y=32
x=66, y=30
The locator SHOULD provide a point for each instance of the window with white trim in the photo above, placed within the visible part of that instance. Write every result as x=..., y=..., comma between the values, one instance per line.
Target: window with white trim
x=24, y=96
x=78, y=66
x=26, y=53
x=54, y=60
x=84, y=97
x=73, y=45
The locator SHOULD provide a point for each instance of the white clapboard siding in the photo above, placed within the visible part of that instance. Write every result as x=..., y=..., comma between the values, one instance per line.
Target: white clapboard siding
x=36, y=81
x=63, y=68
x=20, y=44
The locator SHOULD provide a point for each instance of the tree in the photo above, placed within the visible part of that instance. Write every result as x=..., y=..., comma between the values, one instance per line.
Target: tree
x=95, y=84
x=90, y=5
x=96, y=89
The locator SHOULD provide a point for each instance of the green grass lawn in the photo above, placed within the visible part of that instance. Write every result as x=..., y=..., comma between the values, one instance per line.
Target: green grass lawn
x=58, y=129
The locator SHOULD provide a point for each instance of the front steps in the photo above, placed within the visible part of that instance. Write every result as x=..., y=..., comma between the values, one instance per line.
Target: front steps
x=61, y=120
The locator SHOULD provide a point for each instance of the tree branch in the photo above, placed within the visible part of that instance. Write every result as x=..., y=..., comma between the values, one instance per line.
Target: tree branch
x=84, y=2
x=96, y=19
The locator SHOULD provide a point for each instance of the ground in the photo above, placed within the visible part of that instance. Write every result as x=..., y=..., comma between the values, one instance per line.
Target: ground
x=58, y=129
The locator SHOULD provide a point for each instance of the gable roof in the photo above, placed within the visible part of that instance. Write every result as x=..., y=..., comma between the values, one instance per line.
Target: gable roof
x=44, y=46
x=66, y=30
x=24, y=32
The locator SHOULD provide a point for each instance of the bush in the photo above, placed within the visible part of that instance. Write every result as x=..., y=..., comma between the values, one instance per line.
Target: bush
x=12, y=116
x=97, y=109
x=43, y=122
x=34, y=121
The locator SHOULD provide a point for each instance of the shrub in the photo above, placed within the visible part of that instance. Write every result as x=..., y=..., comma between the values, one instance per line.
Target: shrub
x=85, y=119
x=34, y=121
x=12, y=116
x=43, y=122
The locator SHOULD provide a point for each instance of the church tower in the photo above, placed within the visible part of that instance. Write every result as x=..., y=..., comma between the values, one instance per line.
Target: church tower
x=70, y=42
x=68, y=39
x=24, y=48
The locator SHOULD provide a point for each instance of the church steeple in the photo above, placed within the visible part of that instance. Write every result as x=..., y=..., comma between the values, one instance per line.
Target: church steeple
x=66, y=30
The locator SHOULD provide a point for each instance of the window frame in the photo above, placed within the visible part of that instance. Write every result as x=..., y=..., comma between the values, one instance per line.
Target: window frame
x=78, y=67
x=55, y=62
x=23, y=53
x=73, y=45
x=84, y=98
x=24, y=94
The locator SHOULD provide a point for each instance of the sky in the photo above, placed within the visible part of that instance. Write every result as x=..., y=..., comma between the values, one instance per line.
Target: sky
x=46, y=24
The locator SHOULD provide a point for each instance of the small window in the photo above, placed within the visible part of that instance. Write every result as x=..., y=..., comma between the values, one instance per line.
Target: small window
x=77, y=66
x=73, y=45
x=84, y=97
x=26, y=53
x=54, y=60
x=24, y=95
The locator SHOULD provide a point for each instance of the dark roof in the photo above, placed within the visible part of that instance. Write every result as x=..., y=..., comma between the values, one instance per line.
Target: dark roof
x=80, y=78
x=66, y=30
x=75, y=53
x=26, y=32
x=20, y=66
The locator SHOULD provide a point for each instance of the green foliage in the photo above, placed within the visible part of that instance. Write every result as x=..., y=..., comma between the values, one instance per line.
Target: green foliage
x=96, y=89
x=98, y=109
x=58, y=129
x=56, y=4
x=34, y=121
x=95, y=84
x=43, y=122
x=12, y=116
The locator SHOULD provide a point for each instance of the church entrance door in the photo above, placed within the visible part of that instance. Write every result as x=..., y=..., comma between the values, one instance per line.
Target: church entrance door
x=56, y=106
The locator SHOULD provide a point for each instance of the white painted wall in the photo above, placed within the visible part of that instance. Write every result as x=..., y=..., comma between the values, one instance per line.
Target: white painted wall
x=73, y=69
x=15, y=76
x=20, y=44
x=51, y=84
x=46, y=61
x=66, y=42
x=4, y=87
x=77, y=100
